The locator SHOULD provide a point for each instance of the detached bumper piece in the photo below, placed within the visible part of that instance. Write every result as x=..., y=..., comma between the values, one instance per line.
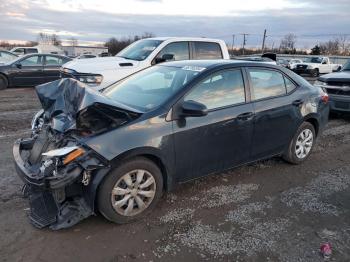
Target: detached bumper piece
x=56, y=201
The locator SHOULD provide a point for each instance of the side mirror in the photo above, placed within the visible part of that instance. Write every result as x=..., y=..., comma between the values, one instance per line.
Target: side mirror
x=18, y=65
x=324, y=62
x=193, y=108
x=164, y=58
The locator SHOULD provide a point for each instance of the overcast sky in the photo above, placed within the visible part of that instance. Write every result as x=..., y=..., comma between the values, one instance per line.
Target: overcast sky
x=98, y=20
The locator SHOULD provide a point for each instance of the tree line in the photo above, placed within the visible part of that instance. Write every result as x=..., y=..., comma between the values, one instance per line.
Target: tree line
x=339, y=45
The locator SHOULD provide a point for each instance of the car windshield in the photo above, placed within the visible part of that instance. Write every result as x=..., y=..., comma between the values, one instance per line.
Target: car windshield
x=346, y=67
x=316, y=60
x=139, y=50
x=151, y=87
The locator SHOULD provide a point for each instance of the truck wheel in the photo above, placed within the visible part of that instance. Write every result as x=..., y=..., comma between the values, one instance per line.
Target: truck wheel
x=3, y=82
x=301, y=145
x=314, y=72
x=130, y=191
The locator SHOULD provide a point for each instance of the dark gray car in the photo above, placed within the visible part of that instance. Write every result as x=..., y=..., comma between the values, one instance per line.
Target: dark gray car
x=116, y=152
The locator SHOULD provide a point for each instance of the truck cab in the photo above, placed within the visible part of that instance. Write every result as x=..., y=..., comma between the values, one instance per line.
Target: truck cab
x=104, y=71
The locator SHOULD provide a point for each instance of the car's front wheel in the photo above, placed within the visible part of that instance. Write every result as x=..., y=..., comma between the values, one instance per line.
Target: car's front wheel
x=315, y=72
x=3, y=82
x=301, y=145
x=130, y=191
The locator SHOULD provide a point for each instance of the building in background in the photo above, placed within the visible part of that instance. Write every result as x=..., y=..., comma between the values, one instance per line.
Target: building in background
x=74, y=51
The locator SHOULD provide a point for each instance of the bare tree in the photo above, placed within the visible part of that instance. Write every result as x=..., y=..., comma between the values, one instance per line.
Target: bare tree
x=288, y=43
x=115, y=45
x=73, y=41
x=48, y=39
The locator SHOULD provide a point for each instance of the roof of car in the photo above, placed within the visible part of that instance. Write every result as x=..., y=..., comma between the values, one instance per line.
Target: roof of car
x=186, y=39
x=213, y=63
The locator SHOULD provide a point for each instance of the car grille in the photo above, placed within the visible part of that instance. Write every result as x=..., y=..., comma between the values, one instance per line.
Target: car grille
x=43, y=208
x=301, y=66
x=340, y=92
x=337, y=83
x=342, y=105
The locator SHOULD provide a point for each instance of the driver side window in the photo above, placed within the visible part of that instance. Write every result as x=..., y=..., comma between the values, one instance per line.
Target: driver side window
x=180, y=51
x=32, y=61
x=221, y=89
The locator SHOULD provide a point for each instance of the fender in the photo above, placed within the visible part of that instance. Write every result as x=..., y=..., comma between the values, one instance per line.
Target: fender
x=148, y=152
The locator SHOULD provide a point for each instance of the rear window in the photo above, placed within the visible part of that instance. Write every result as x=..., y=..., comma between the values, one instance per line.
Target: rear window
x=31, y=50
x=206, y=50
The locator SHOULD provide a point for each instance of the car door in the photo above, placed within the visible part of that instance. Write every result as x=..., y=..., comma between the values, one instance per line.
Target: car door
x=28, y=71
x=277, y=113
x=222, y=138
x=52, y=65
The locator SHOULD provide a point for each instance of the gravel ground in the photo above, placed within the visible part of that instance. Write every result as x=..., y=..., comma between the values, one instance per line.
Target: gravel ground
x=268, y=211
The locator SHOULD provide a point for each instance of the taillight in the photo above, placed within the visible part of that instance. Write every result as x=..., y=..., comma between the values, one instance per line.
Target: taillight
x=325, y=98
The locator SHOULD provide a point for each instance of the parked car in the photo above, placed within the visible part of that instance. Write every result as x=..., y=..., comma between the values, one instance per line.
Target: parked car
x=38, y=49
x=293, y=62
x=338, y=87
x=31, y=70
x=21, y=50
x=116, y=151
x=282, y=62
x=102, y=72
x=6, y=56
x=268, y=58
x=86, y=56
x=315, y=66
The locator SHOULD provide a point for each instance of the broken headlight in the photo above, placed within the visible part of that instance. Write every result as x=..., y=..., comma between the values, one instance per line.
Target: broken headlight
x=67, y=154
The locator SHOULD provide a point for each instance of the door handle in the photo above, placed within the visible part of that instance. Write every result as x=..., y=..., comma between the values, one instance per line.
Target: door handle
x=297, y=102
x=245, y=116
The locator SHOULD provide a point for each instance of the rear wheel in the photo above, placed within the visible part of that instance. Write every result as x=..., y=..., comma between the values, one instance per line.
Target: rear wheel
x=3, y=82
x=130, y=191
x=301, y=145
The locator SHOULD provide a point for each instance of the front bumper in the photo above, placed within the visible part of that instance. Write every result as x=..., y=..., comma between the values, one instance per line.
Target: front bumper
x=300, y=71
x=54, y=202
x=339, y=103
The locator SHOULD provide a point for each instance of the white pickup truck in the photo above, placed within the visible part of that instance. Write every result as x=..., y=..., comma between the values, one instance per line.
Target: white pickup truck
x=316, y=65
x=102, y=72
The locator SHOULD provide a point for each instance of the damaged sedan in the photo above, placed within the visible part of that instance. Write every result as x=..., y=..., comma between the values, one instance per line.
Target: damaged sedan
x=116, y=151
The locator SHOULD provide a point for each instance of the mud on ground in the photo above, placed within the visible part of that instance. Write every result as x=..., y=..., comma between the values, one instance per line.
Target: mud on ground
x=269, y=211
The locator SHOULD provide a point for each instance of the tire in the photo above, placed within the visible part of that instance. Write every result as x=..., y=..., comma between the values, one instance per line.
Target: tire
x=293, y=154
x=3, y=82
x=314, y=73
x=120, y=190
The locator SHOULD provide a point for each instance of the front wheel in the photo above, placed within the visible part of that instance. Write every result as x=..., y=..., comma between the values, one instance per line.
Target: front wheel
x=314, y=73
x=301, y=145
x=130, y=191
x=3, y=82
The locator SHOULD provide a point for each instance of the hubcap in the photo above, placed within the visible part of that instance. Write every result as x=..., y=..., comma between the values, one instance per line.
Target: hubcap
x=133, y=192
x=304, y=143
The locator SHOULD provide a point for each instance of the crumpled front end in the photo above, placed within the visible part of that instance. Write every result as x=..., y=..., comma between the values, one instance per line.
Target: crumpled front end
x=60, y=172
x=56, y=182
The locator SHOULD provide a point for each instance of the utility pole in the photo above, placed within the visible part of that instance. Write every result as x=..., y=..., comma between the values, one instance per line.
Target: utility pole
x=233, y=42
x=244, y=41
x=263, y=43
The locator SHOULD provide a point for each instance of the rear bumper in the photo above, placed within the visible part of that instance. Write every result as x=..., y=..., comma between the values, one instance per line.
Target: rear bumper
x=339, y=103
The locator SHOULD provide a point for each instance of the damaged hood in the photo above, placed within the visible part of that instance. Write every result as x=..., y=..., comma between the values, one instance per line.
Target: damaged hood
x=70, y=104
